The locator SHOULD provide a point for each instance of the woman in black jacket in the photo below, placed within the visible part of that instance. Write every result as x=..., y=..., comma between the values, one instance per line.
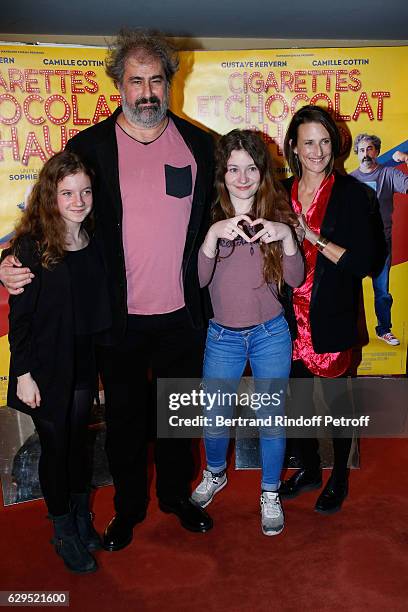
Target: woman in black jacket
x=342, y=244
x=51, y=324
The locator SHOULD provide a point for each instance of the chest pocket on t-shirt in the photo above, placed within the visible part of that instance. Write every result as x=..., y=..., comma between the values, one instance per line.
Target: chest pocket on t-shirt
x=179, y=181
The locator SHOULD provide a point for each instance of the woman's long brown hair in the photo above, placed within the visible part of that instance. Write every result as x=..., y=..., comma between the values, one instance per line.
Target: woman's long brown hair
x=270, y=202
x=41, y=219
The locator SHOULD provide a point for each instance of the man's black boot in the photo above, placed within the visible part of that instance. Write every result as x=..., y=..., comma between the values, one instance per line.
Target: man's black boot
x=190, y=514
x=119, y=532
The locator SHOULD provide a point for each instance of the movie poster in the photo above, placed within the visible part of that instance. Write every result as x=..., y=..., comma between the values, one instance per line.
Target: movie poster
x=48, y=93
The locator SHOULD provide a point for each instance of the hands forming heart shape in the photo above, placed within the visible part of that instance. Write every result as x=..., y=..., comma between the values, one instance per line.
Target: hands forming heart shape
x=250, y=230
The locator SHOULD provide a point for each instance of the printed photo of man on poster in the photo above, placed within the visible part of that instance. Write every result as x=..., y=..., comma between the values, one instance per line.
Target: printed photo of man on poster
x=385, y=181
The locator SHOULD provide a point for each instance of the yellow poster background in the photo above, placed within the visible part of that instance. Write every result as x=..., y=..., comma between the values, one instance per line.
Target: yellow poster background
x=47, y=93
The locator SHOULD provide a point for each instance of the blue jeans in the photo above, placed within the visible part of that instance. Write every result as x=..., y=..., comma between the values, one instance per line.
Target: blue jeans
x=268, y=349
x=382, y=296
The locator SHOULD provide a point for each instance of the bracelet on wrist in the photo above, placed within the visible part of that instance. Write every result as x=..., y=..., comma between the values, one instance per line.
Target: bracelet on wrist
x=321, y=243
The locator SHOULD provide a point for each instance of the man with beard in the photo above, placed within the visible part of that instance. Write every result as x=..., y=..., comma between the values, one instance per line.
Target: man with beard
x=152, y=197
x=385, y=181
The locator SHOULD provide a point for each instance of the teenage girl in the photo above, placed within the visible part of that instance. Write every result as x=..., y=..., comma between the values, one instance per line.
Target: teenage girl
x=248, y=253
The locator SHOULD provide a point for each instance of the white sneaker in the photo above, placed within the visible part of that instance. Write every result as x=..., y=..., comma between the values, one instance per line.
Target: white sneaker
x=208, y=487
x=389, y=338
x=272, y=518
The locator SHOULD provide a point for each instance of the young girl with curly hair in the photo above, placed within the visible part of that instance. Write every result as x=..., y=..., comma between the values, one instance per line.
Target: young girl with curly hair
x=51, y=327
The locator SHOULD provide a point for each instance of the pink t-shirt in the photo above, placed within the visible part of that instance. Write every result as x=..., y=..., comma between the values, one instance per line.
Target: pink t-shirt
x=239, y=295
x=157, y=184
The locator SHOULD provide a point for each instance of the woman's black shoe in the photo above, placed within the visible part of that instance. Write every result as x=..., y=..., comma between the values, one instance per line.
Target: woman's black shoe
x=332, y=497
x=301, y=481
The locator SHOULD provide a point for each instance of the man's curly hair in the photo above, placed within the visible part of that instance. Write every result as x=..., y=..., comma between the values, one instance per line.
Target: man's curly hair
x=150, y=42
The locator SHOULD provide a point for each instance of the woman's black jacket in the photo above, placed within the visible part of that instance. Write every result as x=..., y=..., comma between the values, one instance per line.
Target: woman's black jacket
x=352, y=221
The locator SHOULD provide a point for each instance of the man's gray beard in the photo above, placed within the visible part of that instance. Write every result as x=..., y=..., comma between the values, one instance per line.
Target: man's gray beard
x=147, y=118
